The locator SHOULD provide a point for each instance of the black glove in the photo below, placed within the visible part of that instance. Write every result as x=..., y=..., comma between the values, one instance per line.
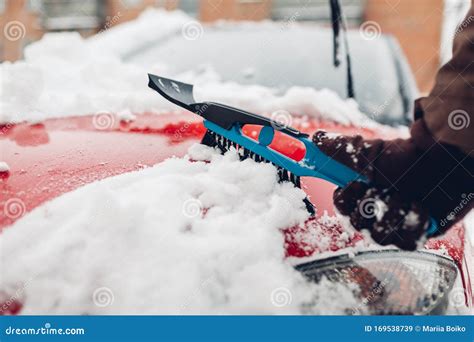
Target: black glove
x=408, y=184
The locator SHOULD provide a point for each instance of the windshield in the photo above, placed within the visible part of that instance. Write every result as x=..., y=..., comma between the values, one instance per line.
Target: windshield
x=284, y=57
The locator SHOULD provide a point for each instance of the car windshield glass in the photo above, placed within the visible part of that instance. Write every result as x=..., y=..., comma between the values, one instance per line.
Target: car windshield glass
x=285, y=57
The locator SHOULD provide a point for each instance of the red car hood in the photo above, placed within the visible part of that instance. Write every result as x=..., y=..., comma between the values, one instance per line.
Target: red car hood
x=50, y=158
x=59, y=155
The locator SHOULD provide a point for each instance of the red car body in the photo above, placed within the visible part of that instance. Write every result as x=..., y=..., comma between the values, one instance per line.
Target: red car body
x=56, y=156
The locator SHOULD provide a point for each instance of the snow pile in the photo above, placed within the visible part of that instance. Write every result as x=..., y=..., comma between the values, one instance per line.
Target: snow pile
x=4, y=167
x=181, y=237
x=64, y=75
x=151, y=25
x=323, y=104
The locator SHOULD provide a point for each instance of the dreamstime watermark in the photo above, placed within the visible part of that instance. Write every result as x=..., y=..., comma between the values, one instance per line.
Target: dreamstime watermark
x=290, y=20
x=381, y=108
x=213, y=280
x=458, y=119
x=457, y=297
x=6, y=126
x=14, y=30
x=111, y=22
x=281, y=119
x=15, y=298
x=192, y=208
x=281, y=297
x=370, y=30
x=14, y=208
x=103, y=120
x=180, y=133
x=371, y=297
x=47, y=329
x=464, y=25
x=465, y=200
x=204, y=284
x=192, y=30
x=103, y=296
x=201, y=109
x=369, y=208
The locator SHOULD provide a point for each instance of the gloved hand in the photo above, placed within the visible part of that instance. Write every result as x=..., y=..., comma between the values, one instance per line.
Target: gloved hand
x=409, y=182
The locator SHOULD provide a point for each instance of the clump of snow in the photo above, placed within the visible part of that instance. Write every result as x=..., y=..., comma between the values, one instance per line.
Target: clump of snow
x=4, y=167
x=126, y=115
x=333, y=135
x=412, y=219
x=64, y=75
x=321, y=235
x=350, y=148
x=152, y=24
x=181, y=237
x=380, y=209
x=323, y=104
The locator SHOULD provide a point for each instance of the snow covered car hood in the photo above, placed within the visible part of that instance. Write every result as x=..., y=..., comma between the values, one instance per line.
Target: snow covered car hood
x=182, y=236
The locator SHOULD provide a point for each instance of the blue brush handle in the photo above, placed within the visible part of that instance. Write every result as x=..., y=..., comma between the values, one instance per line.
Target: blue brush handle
x=314, y=164
x=227, y=122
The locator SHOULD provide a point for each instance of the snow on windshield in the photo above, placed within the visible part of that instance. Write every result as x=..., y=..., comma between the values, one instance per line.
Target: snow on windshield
x=182, y=237
x=66, y=75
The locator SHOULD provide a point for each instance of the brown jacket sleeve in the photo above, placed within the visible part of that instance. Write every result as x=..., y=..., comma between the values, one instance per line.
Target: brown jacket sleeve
x=448, y=111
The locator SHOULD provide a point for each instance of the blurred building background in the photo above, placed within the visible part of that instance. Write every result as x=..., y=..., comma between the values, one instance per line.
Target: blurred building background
x=424, y=28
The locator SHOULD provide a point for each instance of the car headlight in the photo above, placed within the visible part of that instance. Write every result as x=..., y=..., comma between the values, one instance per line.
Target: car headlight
x=389, y=281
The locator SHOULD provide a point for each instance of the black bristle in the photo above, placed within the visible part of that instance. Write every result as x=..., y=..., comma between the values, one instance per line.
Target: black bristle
x=216, y=140
x=246, y=153
x=220, y=143
x=240, y=151
x=309, y=206
x=209, y=139
x=298, y=182
x=280, y=174
x=293, y=178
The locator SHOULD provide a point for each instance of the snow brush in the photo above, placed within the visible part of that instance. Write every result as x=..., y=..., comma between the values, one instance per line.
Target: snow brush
x=224, y=130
